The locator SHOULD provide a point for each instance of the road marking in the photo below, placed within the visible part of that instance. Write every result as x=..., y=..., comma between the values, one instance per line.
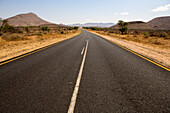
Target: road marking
x=76, y=88
x=160, y=65
x=82, y=51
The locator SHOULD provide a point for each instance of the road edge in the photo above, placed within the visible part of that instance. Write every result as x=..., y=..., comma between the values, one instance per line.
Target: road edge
x=135, y=53
x=34, y=51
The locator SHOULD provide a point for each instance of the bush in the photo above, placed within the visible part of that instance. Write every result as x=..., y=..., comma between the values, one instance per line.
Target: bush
x=70, y=28
x=13, y=37
x=8, y=28
x=168, y=33
x=163, y=35
x=45, y=32
x=95, y=28
x=136, y=32
x=76, y=27
x=152, y=34
x=27, y=29
x=19, y=31
x=62, y=32
x=44, y=28
x=39, y=34
x=111, y=31
x=146, y=34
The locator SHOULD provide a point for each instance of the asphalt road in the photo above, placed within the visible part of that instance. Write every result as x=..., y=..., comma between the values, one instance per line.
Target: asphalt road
x=113, y=80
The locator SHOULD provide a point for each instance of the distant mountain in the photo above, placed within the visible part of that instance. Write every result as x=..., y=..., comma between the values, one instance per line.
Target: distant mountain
x=135, y=25
x=29, y=19
x=160, y=23
x=102, y=25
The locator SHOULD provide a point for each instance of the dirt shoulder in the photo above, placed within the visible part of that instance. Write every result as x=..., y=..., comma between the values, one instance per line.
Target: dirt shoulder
x=157, y=53
x=10, y=49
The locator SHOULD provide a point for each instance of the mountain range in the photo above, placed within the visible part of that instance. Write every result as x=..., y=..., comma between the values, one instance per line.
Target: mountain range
x=102, y=25
x=31, y=19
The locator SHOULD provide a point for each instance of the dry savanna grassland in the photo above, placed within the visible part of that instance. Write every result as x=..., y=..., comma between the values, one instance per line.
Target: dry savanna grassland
x=154, y=44
x=15, y=41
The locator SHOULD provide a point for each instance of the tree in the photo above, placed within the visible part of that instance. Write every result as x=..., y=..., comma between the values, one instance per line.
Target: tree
x=8, y=28
x=27, y=29
x=123, y=26
x=4, y=22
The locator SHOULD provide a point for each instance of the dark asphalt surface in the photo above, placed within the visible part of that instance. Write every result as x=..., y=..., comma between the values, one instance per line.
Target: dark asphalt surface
x=113, y=81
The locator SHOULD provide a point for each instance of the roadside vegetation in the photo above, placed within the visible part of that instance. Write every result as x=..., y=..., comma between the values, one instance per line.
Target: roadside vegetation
x=154, y=37
x=155, y=44
x=10, y=33
x=25, y=38
x=123, y=26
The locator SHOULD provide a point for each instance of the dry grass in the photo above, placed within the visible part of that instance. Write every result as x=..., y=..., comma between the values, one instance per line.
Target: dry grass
x=161, y=42
x=20, y=44
x=14, y=37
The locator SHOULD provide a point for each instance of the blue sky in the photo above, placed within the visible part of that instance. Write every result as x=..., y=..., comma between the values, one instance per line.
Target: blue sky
x=83, y=11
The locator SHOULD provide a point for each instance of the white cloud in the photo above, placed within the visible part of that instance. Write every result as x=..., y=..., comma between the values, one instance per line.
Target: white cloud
x=162, y=8
x=124, y=13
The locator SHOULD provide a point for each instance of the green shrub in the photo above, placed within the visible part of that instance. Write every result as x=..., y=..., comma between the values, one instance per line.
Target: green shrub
x=8, y=28
x=163, y=34
x=39, y=34
x=70, y=28
x=145, y=33
x=44, y=28
x=95, y=28
x=45, y=32
x=152, y=34
x=168, y=33
x=111, y=31
x=123, y=27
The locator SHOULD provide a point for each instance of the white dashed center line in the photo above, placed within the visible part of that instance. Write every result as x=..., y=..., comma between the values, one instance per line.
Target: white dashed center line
x=76, y=88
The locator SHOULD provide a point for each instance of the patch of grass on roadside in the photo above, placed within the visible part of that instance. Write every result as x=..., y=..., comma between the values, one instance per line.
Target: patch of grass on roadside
x=39, y=34
x=14, y=37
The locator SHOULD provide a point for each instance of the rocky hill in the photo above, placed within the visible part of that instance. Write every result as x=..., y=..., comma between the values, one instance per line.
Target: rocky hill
x=29, y=19
x=160, y=23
